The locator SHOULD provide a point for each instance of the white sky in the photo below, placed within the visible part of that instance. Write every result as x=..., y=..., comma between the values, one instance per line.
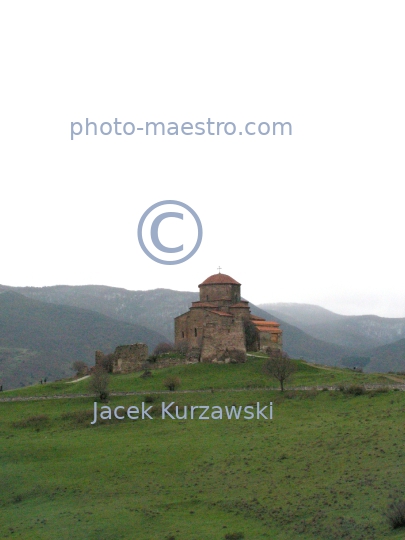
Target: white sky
x=317, y=217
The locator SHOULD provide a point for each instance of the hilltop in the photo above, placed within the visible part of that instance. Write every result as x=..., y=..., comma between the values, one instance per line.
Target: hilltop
x=73, y=321
x=156, y=310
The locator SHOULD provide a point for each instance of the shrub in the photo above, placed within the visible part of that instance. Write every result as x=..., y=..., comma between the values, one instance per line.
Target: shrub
x=156, y=410
x=312, y=393
x=80, y=367
x=150, y=399
x=152, y=358
x=147, y=373
x=172, y=382
x=291, y=394
x=376, y=391
x=396, y=514
x=355, y=390
x=78, y=417
x=37, y=421
x=163, y=348
x=234, y=536
x=98, y=383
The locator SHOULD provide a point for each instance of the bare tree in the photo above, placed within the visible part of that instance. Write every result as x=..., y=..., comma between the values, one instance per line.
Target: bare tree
x=281, y=367
x=80, y=367
x=107, y=362
x=172, y=382
x=99, y=382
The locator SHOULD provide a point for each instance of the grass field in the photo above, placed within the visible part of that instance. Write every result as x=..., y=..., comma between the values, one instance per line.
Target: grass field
x=327, y=465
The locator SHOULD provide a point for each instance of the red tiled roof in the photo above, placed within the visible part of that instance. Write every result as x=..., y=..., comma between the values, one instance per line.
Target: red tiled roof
x=267, y=326
x=222, y=313
x=219, y=279
x=270, y=329
x=256, y=318
x=203, y=304
x=239, y=305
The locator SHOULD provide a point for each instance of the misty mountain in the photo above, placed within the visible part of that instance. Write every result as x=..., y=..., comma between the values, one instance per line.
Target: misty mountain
x=157, y=308
x=391, y=356
x=299, y=344
x=301, y=314
x=154, y=309
x=358, y=332
x=39, y=339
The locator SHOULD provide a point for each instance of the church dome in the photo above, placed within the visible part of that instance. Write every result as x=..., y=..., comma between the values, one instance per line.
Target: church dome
x=219, y=278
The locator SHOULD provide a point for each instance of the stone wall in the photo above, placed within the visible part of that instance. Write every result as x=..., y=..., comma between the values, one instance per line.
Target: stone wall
x=223, y=341
x=211, y=337
x=132, y=358
x=189, y=327
x=267, y=339
x=222, y=291
x=126, y=358
x=163, y=362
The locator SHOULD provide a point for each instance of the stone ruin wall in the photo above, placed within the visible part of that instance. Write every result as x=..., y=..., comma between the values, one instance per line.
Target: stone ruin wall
x=132, y=358
x=126, y=358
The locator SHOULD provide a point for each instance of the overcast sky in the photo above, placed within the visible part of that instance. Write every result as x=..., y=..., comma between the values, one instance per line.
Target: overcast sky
x=315, y=217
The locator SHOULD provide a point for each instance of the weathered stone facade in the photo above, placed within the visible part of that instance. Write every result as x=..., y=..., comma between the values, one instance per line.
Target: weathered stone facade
x=213, y=328
x=269, y=334
x=126, y=358
x=131, y=358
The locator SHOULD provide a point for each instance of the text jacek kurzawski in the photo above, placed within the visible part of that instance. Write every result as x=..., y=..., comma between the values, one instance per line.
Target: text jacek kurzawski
x=194, y=412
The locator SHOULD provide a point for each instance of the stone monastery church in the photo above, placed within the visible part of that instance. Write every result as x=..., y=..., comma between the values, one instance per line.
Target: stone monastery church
x=214, y=327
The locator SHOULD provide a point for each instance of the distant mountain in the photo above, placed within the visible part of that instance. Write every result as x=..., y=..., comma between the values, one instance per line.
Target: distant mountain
x=299, y=344
x=360, y=333
x=39, y=339
x=156, y=310
x=392, y=356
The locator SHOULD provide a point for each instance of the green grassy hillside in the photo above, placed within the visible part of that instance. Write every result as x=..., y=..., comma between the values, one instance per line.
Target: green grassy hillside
x=326, y=466
x=217, y=376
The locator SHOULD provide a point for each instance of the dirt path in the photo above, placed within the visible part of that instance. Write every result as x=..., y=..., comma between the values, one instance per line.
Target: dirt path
x=328, y=368
x=77, y=380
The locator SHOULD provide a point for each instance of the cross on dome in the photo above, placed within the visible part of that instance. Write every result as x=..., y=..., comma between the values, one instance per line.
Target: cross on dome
x=219, y=269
